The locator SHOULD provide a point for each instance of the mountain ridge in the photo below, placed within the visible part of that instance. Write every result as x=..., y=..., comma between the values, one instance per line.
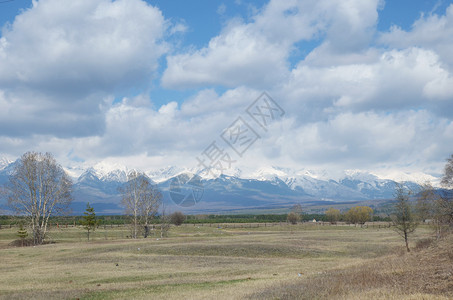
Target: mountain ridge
x=244, y=189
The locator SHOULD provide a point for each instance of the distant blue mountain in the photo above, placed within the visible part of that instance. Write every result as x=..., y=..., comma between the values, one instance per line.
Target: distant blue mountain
x=227, y=193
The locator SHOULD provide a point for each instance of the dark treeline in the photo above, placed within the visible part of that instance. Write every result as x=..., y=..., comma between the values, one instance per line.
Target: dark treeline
x=190, y=219
x=62, y=220
x=248, y=218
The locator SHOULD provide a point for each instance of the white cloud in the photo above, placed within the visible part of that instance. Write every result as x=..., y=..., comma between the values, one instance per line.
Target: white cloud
x=366, y=140
x=188, y=130
x=234, y=58
x=441, y=87
x=431, y=31
x=221, y=9
x=65, y=57
x=256, y=53
x=348, y=105
x=83, y=44
x=413, y=78
x=233, y=101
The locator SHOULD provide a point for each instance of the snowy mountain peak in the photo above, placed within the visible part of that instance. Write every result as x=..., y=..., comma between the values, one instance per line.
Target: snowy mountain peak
x=4, y=162
x=269, y=173
x=417, y=177
x=115, y=175
x=360, y=175
x=91, y=174
x=164, y=174
x=104, y=168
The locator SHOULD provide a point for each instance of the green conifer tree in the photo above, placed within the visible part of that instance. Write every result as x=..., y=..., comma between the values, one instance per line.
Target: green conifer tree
x=89, y=221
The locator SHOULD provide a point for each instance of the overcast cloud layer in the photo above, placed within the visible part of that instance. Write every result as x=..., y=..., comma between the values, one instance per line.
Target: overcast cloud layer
x=75, y=79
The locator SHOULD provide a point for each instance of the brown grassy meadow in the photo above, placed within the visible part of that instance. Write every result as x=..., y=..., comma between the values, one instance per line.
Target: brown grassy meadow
x=304, y=261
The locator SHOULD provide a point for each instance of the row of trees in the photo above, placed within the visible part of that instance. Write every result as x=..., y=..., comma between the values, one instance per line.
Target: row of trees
x=355, y=215
x=39, y=188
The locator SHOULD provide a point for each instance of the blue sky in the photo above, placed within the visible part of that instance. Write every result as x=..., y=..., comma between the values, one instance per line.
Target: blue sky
x=366, y=85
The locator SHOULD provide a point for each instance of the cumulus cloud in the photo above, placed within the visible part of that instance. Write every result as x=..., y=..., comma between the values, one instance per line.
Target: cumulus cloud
x=256, y=53
x=234, y=58
x=88, y=45
x=64, y=58
x=409, y=140
x=430, y=31
x=134, y=126
x=360, y=99
x=413, y=78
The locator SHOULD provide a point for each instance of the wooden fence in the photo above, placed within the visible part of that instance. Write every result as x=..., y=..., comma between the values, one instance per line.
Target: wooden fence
x=222, y=225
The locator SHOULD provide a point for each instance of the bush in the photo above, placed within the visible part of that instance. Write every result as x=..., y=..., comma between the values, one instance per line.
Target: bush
x=293, y=218
x=423, y=243
x=177, y=218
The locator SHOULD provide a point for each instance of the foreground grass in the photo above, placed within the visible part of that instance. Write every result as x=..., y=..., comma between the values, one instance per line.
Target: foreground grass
x=279, y=262
x=425, y=273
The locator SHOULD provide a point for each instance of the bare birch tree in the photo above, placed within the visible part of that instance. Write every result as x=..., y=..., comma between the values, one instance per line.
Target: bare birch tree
x=164, y=221
x=447, y=179
x=430, y=206
x=141, y=200
x=149, y=206
x=38, y=188
x=426, y=201
x=445, y=205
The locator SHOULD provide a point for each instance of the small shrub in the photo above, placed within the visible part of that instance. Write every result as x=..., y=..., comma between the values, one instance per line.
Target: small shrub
x=177, y=218
x=423, y=243
x=293, y=218
x=21, y=243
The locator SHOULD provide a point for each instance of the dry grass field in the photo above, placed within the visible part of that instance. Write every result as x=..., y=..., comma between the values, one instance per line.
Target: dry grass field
x=304, y=261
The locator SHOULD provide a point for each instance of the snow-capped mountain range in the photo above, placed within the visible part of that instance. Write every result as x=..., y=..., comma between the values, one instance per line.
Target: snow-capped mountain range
x=267, y=187
x=4, y=162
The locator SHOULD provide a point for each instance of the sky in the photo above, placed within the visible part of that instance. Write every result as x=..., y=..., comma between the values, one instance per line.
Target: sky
x=349, y=85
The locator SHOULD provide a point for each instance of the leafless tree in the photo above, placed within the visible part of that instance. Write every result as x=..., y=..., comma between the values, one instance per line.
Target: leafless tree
x=149, y=206
x=164, y=221
x=426, y=201
x=445, y=208
x=445, y=205
x=404, y=219
x=447, y=179
x=297, y=208
x=293, y=218
x=38, y=188
x=430, y=206
x=141, y=200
